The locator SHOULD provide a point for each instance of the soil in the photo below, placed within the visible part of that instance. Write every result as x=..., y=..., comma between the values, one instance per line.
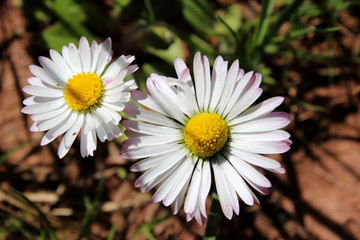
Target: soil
x=318, y=197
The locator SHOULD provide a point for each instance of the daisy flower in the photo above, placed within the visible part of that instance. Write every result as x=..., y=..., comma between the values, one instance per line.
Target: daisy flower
x=201, y=128
x=79, y=91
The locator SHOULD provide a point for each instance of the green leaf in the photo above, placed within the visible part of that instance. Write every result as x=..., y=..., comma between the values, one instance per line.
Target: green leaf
x=169, y=54
x=200, y=15
x=57, y=36
x=230, y=19
x=199, y=44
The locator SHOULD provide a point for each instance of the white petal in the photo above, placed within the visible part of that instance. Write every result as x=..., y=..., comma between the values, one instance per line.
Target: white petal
x=73, y=131
x=205, y=186
x=218, y=82
x=42, y=91
x=167, y=192
x=259, y=110
x=131, y=152
x=151, y=129
x=176, y=204
x=54, y=71
x=226, y=193
x=207, y=79
x=116, y=81
x=147, y=101
x=276, y=135
x=199, y=80
x=191, y=201
x=101, y=133
x=236, y=94
x=113, y=107
x=164, y=163
x=147, y=186
x=85, y=54
x=59, y=129
x=114, y=69
x=75, y=59
x=104, y=56
x=44, y=75
x=50, y=114
x=149, y=140
x=115, y=117
x=243, y=103
x=113, y=131
x=70, y=136
x=158, y=90
x=95, y=51
x=255, y=159
x=61, y=63
x=44, y=107
x=89, y=123
x=88, y=143
x=155, y=161
x=66, y=56
x=48, y=124
x=148, y=116
x=132, y=68
x=248, y=171
x=263, y=147
x=102, y=115
x=269, y=122
x=123, y=97
x=237, y=183
x=229, y=86
x=179, y=65
x=35, y=100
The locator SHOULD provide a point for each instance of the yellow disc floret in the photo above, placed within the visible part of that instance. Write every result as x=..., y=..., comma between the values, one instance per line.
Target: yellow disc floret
x=84, y=92
x=206, y=134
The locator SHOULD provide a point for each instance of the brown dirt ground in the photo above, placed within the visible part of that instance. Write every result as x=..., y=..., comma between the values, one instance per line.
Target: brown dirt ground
x=318, y=198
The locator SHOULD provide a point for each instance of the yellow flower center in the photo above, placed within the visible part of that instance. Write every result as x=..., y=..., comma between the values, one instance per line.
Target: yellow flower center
x=84, y=91
x=206, y=134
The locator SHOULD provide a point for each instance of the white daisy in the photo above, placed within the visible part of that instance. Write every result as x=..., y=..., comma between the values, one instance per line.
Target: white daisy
x=79, y=90
x=201, y=124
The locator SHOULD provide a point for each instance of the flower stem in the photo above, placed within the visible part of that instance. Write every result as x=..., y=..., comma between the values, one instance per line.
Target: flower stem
x=214, y=218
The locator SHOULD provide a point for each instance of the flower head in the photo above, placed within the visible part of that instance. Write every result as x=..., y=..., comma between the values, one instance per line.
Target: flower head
x=203, y=125
x=79, y=91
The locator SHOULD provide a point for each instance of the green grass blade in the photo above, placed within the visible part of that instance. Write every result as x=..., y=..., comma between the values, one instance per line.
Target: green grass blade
x=297, y=33
x=48, y=230
x=214, y=218
x=92, y=209
x=267, y=9
x=150, y=11
x=284, y=16
x=112, y=232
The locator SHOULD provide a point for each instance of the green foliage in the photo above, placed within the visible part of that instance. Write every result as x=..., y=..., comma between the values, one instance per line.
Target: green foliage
x=47, y=231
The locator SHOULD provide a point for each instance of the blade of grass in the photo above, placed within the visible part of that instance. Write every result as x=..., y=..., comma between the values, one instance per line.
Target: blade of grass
x=48, y=230
x=92, y=209
x=283, y=16
x=112, y=232
x=321, y=57
x=297, y=33
x=253, y=53
x=214, y=218
x=150, y=11
x=267, y=7
x=147, y=227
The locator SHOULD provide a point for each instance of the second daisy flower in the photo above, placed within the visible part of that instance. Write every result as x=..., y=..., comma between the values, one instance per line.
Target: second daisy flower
x=201, y=125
